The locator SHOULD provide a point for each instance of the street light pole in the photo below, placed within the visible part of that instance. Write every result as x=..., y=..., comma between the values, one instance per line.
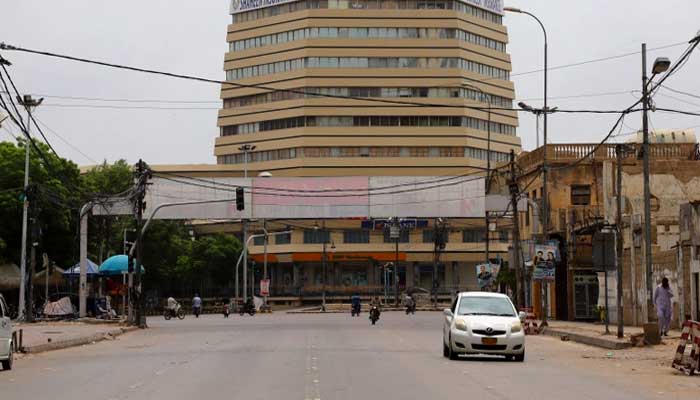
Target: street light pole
x=545, y=172
x=487, y=99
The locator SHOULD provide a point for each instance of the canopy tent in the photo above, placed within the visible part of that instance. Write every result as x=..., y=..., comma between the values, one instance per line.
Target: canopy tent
x=9, y=277
x=55, y=277
x=92, y=269
x=116, y=265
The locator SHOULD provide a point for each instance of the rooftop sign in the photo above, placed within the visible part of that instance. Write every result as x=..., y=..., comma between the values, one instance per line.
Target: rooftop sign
x=239, y=6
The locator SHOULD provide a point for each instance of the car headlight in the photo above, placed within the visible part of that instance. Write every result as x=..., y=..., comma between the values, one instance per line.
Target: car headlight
x=460, y=325
x=516, y=327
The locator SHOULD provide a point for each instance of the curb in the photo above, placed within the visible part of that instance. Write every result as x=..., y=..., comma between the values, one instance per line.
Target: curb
x=588, y=340
x=64, y=344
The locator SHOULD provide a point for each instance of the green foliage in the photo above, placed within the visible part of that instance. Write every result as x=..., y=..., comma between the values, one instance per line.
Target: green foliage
x=53, y=200
x=170, y=256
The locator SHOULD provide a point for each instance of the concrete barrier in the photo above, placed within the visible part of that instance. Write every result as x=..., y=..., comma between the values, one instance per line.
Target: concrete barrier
x=79, y=341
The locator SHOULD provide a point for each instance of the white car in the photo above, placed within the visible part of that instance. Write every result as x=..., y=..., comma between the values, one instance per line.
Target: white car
x=5, y=336
x=483, y=323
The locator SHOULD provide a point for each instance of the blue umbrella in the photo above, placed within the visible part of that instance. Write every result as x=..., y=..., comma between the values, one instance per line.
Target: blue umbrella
x=116, y=265
x=92, y=269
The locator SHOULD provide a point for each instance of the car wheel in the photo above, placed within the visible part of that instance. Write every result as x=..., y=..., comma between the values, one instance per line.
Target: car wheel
x=7, y=364
x=519, y=357
x=451, y=354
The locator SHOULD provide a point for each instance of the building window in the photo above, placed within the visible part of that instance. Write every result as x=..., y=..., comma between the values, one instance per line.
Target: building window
x=366, y=62
x=580, y=195
x=316, y=236
x=356, y=236
x=473, y=236
x=429, y=236
x=403, y=237
x=503, y=236
x=259, y=240
x=283, y=239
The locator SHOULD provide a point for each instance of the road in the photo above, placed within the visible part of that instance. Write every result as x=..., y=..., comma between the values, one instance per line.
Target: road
x=309, y=357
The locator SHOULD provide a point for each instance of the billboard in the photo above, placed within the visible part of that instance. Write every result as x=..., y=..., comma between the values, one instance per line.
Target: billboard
x=239, y=6
x=311, y=197
x=428, y=197
x=413, y=199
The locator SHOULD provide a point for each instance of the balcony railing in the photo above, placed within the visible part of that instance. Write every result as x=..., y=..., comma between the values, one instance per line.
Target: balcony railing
x=558, y=153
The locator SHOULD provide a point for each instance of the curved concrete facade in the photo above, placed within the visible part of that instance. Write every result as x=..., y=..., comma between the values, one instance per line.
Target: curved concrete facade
x=402, y=51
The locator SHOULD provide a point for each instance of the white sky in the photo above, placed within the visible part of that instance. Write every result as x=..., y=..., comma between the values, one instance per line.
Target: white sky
x=189, y=37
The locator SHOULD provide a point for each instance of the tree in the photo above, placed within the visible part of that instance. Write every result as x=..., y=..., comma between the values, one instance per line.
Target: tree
x=55, y=184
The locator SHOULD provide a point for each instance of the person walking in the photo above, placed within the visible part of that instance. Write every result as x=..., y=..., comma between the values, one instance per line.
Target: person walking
x=196, y=305
x=662, y=301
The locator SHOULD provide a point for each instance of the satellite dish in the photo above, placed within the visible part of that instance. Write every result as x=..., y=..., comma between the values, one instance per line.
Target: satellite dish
x=265, y=174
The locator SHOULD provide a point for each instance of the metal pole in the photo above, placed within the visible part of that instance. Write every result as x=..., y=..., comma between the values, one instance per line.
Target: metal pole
x=607, y=308
x=323, y=270
x=82, y=286
x=244, y=222
x=396, y=272
x=265, y=259
x=647, y=193
x=138, y=284
x=619, y=243
x=488, y=180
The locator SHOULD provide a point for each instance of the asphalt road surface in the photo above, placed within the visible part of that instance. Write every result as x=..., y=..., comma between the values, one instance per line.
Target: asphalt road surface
x=307, y=357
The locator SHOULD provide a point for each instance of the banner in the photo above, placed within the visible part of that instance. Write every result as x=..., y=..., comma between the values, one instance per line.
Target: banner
x=545, y=261
x=264, y=287
x=486, y=275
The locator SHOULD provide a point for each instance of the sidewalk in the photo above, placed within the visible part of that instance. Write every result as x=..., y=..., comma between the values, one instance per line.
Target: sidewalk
x=46, y=336
x=594, y=334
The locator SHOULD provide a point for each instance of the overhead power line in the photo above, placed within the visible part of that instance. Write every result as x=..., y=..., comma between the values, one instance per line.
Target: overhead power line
x=4, y=46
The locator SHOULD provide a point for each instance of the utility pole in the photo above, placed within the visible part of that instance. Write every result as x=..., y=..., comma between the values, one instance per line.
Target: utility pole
x=142, y=176
x=619, y=149
x=34, y=210
x=647, y=190
x=28, y=102
x=514, y=191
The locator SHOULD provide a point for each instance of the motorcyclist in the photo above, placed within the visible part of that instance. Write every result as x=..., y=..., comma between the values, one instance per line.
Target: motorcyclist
x=410, y=303
x=172, y=305
x=196, y=305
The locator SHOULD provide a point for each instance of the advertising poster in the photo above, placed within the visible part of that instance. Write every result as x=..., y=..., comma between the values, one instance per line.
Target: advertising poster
x=486, y=275
x=544, y=261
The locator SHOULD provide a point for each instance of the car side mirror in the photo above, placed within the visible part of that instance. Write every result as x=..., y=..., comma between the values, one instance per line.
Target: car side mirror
x=447, y=312
x=522, y=315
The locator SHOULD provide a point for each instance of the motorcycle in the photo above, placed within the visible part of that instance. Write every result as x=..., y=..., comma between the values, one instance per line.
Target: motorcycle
x=227, y=310
x=374, y=314
x=355, y=310
x=178, y=312
x=248, y=307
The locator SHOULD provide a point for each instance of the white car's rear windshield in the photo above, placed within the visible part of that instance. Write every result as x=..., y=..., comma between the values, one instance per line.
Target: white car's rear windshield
x=496, y=306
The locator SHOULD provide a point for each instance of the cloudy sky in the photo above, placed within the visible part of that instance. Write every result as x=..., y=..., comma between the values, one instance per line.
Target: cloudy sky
x=85, y=123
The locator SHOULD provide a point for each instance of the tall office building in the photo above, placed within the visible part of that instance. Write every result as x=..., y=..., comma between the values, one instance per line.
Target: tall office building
x=306, y=76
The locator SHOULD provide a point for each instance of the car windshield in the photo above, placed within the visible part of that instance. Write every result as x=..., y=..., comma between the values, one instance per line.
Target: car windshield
x=497, y=306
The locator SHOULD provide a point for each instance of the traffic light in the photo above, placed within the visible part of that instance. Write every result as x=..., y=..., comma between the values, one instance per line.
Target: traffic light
x=240, y=202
